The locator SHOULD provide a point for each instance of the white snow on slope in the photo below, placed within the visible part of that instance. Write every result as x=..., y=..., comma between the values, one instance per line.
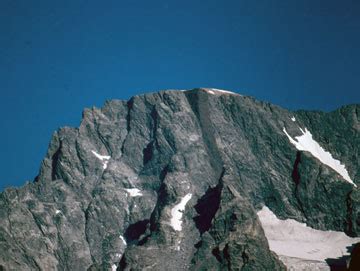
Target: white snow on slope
x=293, y=118
x=177, y=212
x=134, y=192
x=219, y=91
x=118, y=255
x=294, y=239
x=223, y=91
x=123, y=239
x=305, y=142
x=57, y=212
x=104, y=158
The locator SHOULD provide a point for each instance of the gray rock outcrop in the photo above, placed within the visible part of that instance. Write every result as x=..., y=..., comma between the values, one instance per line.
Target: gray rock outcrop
x=105, y=195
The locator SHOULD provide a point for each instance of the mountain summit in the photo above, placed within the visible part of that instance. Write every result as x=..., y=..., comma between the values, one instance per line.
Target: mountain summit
x=203, y=179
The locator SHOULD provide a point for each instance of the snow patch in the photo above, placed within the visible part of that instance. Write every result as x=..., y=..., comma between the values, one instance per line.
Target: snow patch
x=194, y=137
x=177, y=212
x=223, y=91
x=290, y=238
x=118, y=255
x=134, y=192
x=296, y=264
x=104, y=158
x=215, y=91
x=123, y=239
x=293, y=118
x=305, y=142
x=57, y=212
x=101, y=157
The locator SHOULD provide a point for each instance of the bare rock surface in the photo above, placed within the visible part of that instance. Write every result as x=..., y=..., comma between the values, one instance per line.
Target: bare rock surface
x=106, y=191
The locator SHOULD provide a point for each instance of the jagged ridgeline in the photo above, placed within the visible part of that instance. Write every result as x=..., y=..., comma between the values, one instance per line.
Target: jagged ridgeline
x=190, y=180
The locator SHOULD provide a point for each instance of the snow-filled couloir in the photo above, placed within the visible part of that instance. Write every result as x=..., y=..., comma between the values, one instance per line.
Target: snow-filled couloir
x=305, y=142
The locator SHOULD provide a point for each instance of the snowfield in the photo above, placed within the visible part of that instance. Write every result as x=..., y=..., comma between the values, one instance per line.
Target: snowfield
x=177, y=213
x=104, y=158
x=214, y=91
x=134, y=192
x=123, y=240
x=305, y=142
x=289, y=238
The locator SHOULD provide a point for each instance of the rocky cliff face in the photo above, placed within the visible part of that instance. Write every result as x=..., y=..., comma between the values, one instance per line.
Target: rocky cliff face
x=174, y=180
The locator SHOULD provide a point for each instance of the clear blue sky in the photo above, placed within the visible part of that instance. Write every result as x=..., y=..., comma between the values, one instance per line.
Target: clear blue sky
x=57, y=57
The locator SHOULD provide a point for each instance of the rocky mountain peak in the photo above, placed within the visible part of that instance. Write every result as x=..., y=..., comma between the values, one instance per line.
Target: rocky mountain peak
x=178, y=180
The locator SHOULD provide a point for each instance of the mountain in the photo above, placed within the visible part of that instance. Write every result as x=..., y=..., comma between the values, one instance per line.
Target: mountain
x=202, y=179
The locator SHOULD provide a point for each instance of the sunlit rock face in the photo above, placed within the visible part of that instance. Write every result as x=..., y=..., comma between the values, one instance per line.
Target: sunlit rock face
x=203, y=179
